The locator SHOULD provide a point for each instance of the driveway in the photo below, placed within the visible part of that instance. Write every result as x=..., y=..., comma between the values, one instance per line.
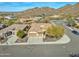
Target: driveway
x=11, y=40
x=35, y=40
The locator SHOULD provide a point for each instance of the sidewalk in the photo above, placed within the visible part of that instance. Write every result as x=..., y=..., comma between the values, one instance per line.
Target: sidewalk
x=64, y=40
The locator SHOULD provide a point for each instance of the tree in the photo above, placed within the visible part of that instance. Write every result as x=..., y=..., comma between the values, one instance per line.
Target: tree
x=70, y=20
x=10, y=22
x=20, y=34
x=55, y=31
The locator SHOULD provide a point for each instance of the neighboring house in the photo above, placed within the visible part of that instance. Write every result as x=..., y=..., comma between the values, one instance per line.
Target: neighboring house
x=37, y=30
x=23, y=19
x=2, y=26
x=9, y=33
x=55, y=16
x=36, y=18
x=9, y=17
x=77, y=19
x=13, y=28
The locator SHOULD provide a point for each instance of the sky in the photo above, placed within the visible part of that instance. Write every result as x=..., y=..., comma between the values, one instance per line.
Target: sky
x=20, y=6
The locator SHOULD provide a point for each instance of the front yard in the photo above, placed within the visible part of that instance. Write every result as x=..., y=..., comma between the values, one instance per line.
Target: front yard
x=54, y=33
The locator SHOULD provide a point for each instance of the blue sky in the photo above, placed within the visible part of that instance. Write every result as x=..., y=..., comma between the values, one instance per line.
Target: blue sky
x=20, y=6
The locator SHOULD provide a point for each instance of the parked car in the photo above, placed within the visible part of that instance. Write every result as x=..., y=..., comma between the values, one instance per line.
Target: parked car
x=75, y=32
x=74, y=55
x=8, y=33
x=2, y=26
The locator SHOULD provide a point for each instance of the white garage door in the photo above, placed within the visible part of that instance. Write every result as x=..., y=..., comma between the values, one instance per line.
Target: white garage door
x=35, y=39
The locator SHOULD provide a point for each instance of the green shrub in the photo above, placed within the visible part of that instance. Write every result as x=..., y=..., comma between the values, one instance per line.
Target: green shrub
x=55, y=31
x=21, y=34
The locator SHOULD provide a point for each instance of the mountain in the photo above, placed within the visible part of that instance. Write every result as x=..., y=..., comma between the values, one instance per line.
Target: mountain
x=70, y=9
x=38, y=12
x=47, y=11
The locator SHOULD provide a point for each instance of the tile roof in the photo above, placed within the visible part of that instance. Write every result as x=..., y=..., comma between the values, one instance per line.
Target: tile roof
x=39, y=27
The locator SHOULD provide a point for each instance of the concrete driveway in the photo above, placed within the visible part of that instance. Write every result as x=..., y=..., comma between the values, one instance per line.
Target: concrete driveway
x=35, y=40
x=11, y=40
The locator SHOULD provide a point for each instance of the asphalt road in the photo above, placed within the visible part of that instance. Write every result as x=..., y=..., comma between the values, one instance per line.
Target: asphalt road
x=50, y=50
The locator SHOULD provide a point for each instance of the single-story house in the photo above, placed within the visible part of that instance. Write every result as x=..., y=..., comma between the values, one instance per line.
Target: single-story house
x=25, y=19
x=37, y=30
x=9, y=17
x=77, y=19
x=32, y=19
x=13, y=28
x=2, y=26
x=55, y=16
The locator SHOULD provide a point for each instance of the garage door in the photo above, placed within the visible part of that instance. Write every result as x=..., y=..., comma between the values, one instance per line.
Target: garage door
x=35, y=39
